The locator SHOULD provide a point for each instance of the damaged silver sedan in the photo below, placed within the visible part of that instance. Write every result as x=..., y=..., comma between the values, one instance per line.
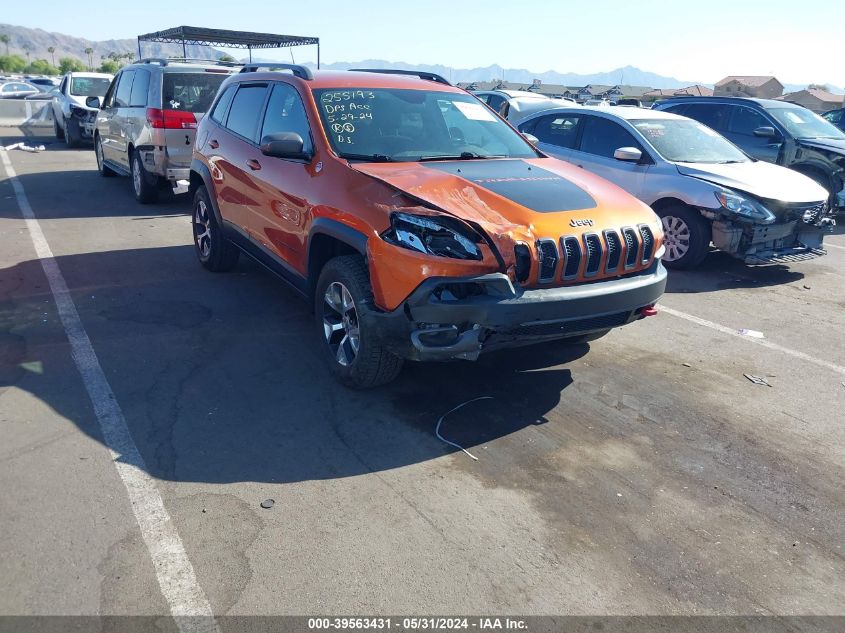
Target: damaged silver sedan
x=705, y=189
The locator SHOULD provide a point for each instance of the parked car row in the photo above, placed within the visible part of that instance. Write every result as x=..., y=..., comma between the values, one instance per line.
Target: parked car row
x=420, y=225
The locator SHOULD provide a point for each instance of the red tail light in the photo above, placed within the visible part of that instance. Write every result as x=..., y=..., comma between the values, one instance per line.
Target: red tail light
x=649, y=311
x=171, y=119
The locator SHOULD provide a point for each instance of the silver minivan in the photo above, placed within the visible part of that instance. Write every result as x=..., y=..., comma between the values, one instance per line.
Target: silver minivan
x=147, y=121
x=704, y=188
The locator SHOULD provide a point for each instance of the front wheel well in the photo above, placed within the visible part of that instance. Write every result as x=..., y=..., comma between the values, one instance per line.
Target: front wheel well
x=664, y=203
x=321, y=249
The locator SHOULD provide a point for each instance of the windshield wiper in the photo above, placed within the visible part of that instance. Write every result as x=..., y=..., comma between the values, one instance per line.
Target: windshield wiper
x=729, y=162
x=461, y=156
x=372, y=158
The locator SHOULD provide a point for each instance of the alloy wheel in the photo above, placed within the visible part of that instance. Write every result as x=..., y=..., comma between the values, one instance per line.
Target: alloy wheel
x=676, y=238
x=202, y=229
x=340, y=323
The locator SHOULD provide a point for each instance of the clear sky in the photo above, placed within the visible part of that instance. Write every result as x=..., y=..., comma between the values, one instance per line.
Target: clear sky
x=704, y=40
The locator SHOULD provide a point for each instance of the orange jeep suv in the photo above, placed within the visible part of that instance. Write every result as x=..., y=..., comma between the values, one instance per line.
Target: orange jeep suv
x=418, y=223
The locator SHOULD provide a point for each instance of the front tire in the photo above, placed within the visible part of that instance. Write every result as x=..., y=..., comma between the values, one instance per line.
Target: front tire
x=104, y=170
x=686, y=235
x=343, y=308
x=144, y=185
x=73, y=137
x=57, y=130
x=214, y=251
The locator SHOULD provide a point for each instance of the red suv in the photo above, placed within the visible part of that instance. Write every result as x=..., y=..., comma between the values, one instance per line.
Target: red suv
x=418, y=223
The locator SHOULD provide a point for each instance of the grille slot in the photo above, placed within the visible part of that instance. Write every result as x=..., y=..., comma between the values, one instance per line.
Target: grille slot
x=547, y=250
x=571, y=248
x=632, y=246
x=523, y=262
x=614, y=250
x=648, y=242
x=593, y=251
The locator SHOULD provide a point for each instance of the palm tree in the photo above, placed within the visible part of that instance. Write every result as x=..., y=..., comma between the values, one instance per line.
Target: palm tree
x=52, y=50
x=27, y=48
x=5, y=39
x=90, y=51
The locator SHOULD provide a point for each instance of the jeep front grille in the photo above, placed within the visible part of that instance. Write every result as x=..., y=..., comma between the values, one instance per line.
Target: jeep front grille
x=584, y=256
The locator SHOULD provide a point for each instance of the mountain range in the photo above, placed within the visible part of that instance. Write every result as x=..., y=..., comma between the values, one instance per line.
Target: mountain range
x=35, y=42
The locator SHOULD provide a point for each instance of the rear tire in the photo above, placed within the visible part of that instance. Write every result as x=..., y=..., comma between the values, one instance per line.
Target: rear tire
x=144, y=184
x=686, y=237
x=58, y=131
x=214, y=251
x=348, y=330
x=73, y=137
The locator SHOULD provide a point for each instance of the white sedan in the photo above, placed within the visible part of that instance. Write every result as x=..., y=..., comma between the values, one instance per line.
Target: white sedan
x=71, y=117
x=703, y=187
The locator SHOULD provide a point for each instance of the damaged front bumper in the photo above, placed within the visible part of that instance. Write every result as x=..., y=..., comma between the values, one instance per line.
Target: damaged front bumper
x=85, y=119
x=781, y=242
x=458, y=318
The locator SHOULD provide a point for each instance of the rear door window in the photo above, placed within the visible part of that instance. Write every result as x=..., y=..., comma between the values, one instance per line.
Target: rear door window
x=557, y=129
x=219, y=111
x=713, y=115
x=124, y=89
x=245, y=111
x=190, y=92
x=603, y=137
x=138, y=97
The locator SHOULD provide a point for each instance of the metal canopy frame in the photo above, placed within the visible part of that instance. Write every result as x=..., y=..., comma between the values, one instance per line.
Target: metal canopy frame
x=199, y=36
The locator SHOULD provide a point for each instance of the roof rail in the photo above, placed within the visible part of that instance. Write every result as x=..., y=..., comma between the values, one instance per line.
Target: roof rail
x=162, y=61
x=303, y=72
x=413, y=73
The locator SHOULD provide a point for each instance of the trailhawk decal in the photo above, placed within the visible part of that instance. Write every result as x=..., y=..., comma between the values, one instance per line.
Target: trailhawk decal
x=525, y=184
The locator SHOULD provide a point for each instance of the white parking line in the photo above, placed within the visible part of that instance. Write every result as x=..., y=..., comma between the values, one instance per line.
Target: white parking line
x=176, y=577
x=757, y=341
x=826, y=244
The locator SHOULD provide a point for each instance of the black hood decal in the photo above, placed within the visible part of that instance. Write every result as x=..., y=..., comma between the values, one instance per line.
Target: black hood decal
x=525, y=184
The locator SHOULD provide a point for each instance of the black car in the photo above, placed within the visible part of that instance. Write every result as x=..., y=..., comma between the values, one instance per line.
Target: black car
x=775, y=131
x=837, y=117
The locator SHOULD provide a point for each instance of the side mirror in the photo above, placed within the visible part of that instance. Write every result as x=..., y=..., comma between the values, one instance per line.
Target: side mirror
x=530, y=138
x=766, y=132
x=93, y=102
x=284, y=145
x=628, y=154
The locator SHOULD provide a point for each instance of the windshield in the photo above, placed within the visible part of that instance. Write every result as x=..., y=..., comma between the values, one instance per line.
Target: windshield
x=191, y=92
x=89, y=86
x=801, y=123
x=413, y=125
x=688, y=141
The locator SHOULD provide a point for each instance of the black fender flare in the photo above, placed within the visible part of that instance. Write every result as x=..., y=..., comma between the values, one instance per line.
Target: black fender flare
x=201, y=169
x=340, y=231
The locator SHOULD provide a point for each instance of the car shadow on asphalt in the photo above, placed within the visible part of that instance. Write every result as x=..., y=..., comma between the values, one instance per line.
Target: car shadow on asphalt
x=720, y=271
x=69, y=200
x=221, y=379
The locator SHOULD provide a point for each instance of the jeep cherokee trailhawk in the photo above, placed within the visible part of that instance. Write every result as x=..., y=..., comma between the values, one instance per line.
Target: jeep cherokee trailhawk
x=418, y=223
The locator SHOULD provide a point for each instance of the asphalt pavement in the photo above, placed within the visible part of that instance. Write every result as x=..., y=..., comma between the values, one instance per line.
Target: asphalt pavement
x=642, y=474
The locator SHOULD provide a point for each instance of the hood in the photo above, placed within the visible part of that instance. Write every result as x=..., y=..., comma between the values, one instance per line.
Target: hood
x=830, y=144
x=760, y=179
x=544, y=196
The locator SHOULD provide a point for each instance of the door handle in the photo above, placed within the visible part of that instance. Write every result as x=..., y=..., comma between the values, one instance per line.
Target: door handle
x=253, y=164
x=213, y=144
